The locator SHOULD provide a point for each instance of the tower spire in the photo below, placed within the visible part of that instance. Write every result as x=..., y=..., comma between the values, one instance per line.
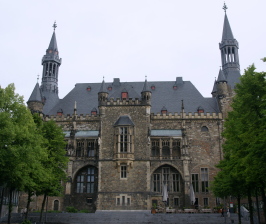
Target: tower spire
x=50, y=63
x=229, y=53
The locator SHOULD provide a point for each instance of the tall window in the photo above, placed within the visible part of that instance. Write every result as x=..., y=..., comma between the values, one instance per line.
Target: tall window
x=124, y=139
x=85, y=181
x=123, y=171
x=90, y=180
x=156, y=182
x=80, y=184
x=166, y=174
x=80, y=148
x=176, y=182
x=155, y=148
x=91, y=148
x=204, y=179
x=166, y=148
x=176, y=148
x=195, y=181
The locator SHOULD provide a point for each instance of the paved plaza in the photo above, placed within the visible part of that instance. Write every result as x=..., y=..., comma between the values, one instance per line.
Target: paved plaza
x=113, y=217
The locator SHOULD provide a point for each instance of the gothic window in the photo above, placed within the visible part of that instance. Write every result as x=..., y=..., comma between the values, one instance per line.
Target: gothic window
x=176, y=182
x=176, y=149
x=80, y=184
x=124, y=139
x=156, y=182
x=195, y=181
x=91, y=144
x=204, y=129
x=204, y=180
x=166, y=175
x=80, y=148
x=166, y=149
x=123, y=172
x=90, y=180
x=85, y=181
x=124, y=128
x=155, y=148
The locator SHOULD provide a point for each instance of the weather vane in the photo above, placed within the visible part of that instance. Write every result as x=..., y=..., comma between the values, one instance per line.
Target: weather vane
x=54, y=26
x=225, y=7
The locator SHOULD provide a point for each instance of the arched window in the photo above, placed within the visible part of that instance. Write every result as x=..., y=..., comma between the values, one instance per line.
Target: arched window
x=166, y=175
x=204, y=129
x=56, y=205
x=85, y=180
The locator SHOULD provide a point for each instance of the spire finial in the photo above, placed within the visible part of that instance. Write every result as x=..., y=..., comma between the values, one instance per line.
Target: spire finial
x=54, y=26
x=225, y=7
x=38, y=78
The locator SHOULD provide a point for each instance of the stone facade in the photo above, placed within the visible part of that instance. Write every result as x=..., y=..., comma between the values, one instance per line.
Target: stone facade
x=135, y=144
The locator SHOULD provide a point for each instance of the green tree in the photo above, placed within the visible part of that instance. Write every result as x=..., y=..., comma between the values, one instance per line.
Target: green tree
x=19, y=143
x=56, y=162
x=245, y=131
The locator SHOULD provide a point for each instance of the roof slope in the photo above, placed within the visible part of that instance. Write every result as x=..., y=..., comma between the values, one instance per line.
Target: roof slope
x=164, y=95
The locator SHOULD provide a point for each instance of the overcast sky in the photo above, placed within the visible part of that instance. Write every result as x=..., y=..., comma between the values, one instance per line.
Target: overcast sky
x=126, y=39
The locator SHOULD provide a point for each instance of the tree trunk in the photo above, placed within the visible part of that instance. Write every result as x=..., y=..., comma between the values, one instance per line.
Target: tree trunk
x=10, y=206
x=257, y=205
x=43, y=204
x=250, y=207
x=28, y=205
x=1, y=201
x=262, y=191
x=238, y=209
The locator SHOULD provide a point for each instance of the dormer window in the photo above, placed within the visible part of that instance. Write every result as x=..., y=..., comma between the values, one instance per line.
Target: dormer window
x=50, y=51
x=124, y=94
x=175, y=87
x=153, y=87
x=94, y=111
x=164, y=110
x=60, y=112
x=89, y=88
x=200, y=110
x=109, y=88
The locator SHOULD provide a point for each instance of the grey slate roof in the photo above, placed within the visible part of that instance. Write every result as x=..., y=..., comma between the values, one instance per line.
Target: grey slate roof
x=124, y=120
x=221, y=77
x=36, y=94
x=52, y=99
x=227, y=32
x=163, y=95
x=53, y=43
x=233, y=77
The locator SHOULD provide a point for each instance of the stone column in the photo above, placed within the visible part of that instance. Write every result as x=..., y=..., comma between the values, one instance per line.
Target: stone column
x=186, y=172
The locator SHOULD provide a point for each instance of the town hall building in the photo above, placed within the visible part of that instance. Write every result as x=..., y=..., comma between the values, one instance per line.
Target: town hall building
x=134, y=144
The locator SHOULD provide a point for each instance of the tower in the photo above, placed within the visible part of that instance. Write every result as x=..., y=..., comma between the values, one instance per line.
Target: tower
x=35, y=102
x=229, y=54
x=146, y=94
x=50, y=63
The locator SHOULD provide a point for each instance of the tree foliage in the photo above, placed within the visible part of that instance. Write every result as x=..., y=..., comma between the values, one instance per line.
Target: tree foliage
x=32, y=155
x=242, y=168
